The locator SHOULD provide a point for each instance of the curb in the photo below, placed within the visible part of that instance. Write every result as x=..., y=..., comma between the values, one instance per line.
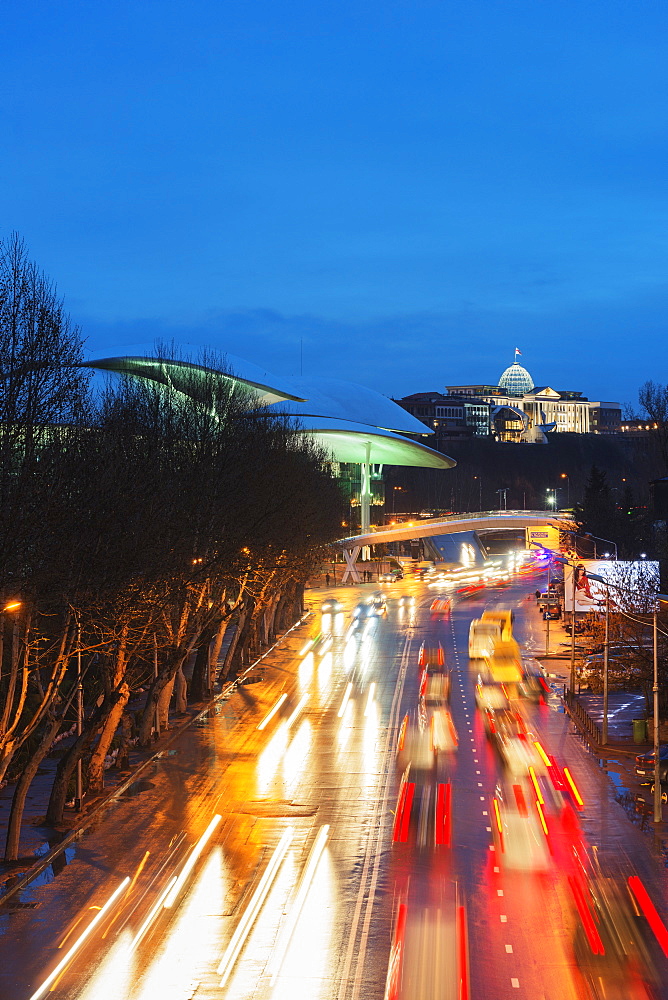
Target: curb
x=101, y=803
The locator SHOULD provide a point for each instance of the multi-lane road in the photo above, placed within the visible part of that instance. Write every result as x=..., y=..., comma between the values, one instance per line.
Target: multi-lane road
x=263, y=856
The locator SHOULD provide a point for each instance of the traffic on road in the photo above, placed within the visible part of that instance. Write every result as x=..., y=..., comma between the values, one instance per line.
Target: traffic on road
x=397, y=809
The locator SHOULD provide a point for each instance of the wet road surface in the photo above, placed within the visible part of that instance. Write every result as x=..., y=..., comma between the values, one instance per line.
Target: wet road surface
x=304, y=884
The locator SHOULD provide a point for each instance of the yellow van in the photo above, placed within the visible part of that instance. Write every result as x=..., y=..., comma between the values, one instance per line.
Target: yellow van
x=505, y=617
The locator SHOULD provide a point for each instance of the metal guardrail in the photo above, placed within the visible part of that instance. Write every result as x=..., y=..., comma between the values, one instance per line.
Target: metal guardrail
x=581, y=717
x=23, y=881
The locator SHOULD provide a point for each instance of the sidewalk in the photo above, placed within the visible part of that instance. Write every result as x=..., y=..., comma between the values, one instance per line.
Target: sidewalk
x=623, y=706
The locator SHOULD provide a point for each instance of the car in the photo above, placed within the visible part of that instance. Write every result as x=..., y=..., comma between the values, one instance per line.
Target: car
x=613, y=944
x=532, y=686
x=387, y=578
x=415, y=747
x=592, y=670
x=431, y=658
x=645, y=763
x=435, y=688
x=440, y=606
x=364, y=610
x=378, y=601
x=519, y=839
x=331, y=606
x=490, y=697
x=482, y=638
x=518, y=753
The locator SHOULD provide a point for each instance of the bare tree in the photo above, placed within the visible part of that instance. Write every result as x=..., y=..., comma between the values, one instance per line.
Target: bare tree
x=653, y=398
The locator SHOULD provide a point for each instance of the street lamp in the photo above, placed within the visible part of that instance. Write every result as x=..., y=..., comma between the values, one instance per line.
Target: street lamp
x=551, y=498
x=480, y=485
x=12, y=606
x=564, y=475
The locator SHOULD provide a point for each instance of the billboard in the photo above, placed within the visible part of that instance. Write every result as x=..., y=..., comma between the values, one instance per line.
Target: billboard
x=546, y=536
x=631, y=584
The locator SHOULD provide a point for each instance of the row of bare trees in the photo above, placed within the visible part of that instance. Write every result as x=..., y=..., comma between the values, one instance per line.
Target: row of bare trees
x=631, y=600
x=137, y=523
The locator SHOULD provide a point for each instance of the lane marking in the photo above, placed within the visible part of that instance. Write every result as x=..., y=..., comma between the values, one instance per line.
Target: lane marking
x=374, y=853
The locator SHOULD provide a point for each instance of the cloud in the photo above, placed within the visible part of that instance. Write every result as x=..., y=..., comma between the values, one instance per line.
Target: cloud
x=605, y=350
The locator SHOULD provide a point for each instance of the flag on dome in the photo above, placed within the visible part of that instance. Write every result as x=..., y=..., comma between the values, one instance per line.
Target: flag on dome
x=517, y=350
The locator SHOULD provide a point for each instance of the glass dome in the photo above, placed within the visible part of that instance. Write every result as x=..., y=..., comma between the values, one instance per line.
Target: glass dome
x=516, y=380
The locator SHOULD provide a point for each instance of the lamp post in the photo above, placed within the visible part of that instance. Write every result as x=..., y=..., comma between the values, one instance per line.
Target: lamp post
x=564, y=475
x=547, y=631
x=606, y=647
x=573, y=635
x=480, y=490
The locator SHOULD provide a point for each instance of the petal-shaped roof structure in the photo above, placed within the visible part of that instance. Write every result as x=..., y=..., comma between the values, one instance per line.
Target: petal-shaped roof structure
x=352, y=423
x=341, y=400
x=347, y=441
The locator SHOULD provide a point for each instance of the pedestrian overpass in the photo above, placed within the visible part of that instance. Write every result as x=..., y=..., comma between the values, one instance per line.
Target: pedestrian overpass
x=490, y=520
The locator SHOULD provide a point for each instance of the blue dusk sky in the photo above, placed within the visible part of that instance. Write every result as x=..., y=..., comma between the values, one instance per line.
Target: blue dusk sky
x=397, y=193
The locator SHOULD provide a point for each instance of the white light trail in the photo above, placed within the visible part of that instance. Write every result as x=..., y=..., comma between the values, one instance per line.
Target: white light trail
x=273, y=712
x=297, y=906
x=190, y=863
x=41, y=990
x=300, y=704
x=250, y=913
x=369, y=703
x=151, y=916
x=345, y=699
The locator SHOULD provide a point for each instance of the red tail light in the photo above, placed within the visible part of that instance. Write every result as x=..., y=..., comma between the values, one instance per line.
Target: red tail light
x=462, y=954
x=443, y=804
x=520, y=800
x=648, y=908
x=590, y=928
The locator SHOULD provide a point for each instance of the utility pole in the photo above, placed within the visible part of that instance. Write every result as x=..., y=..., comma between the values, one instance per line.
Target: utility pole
x=657, y=783
x=79, y=792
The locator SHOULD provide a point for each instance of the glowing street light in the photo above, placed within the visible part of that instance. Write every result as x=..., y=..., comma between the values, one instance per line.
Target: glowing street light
x=12, y=606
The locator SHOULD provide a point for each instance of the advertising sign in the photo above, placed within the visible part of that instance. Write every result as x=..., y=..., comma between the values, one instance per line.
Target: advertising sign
x=546, y=536
x=626, y=579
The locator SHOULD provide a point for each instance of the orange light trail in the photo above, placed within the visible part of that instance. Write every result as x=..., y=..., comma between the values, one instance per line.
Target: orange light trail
x=539, y=794
x=576, y=794
x=541, y=817
x=41, y=990
x=546, y=759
